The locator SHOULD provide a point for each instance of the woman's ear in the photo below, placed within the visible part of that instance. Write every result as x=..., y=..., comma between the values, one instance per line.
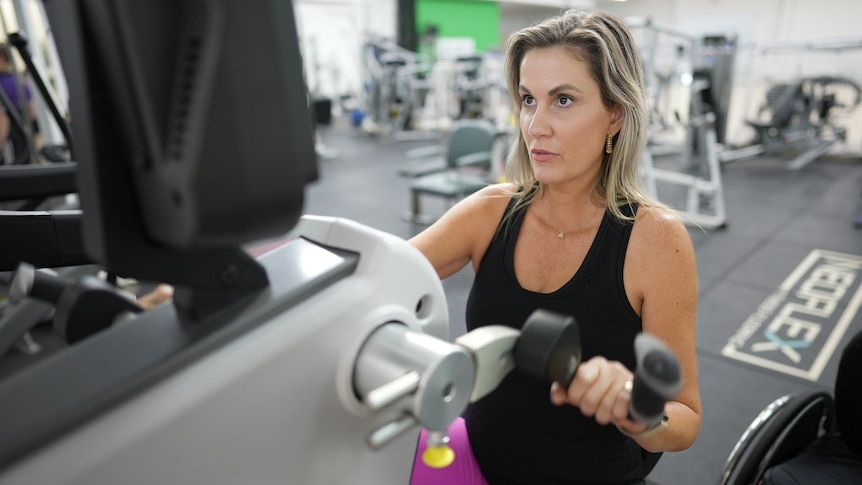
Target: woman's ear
x=617, y=117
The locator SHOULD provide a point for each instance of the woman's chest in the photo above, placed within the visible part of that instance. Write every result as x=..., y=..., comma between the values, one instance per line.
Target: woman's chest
x=546, y=264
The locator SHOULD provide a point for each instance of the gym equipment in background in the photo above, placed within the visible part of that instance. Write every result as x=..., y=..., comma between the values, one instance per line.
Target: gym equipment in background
x=688, y=99
x=468, y=144
x=798, y=118
x=702, y=194
x=57, y=152
x=799, y=97
x=396, y=86
x=467, y=167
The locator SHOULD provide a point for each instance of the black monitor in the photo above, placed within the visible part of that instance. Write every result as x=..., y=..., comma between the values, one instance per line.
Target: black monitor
x=193, y=136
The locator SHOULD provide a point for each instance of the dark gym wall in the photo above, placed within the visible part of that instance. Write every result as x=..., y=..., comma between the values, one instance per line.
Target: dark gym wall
x=407, y=37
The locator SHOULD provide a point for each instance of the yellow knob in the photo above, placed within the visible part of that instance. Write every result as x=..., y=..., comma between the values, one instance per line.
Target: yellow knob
x=438, y=456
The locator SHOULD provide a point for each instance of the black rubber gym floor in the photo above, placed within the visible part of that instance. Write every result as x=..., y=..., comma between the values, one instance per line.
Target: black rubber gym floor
x=780, y=286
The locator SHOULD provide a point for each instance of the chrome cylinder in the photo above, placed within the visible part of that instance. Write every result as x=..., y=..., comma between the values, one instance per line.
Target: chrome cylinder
x=427, y=377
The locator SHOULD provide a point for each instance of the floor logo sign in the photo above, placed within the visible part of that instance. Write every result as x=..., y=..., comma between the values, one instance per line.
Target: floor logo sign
x=797, y=328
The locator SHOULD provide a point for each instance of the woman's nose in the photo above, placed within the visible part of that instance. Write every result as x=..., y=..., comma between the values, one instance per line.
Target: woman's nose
x=537, y=124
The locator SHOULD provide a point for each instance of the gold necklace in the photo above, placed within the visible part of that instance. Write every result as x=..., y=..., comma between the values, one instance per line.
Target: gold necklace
x=560, y=233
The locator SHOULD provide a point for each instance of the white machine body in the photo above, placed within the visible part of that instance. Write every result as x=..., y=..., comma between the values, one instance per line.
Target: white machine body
x=278, y=403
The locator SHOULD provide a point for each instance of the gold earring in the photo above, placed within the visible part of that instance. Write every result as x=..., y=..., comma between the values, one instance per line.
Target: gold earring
x=609, y=144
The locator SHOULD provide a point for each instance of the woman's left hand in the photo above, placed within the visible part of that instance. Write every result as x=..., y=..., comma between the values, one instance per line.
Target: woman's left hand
x=159, y=295
x=600, y=389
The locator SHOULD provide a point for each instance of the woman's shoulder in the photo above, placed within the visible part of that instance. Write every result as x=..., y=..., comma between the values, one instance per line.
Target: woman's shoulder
x=492, y=196
x=660, y=250
x=658, y=228
x=480, y=212
x=658, y=218
x=505, y=190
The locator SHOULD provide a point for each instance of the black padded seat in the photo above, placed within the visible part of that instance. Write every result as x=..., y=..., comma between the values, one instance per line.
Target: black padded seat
x=811, y=437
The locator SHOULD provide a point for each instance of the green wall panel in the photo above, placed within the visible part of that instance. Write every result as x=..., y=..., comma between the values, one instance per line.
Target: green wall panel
x=461, y=18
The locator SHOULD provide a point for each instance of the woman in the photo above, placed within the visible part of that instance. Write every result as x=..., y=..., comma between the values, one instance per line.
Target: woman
x=574, y=232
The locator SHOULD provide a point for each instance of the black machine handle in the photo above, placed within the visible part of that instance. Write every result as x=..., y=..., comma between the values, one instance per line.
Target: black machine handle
x=658, y=379
x=82, y=307
x=550, y=349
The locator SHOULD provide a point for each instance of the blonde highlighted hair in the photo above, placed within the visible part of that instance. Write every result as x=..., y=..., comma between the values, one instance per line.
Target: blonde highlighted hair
x=604, y=42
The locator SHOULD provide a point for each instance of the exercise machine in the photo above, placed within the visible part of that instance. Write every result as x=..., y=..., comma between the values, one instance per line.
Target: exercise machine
x=281, y=388
x=314, y=363
x=687, y=110
x=797, y=116
x=699, y=187
x=397, y=83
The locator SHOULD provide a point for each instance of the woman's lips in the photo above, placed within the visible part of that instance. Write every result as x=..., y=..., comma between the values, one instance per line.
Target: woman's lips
x=542, y=155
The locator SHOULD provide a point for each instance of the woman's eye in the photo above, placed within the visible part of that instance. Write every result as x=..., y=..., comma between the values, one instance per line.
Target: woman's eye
x=527, y=100
x=565, y=100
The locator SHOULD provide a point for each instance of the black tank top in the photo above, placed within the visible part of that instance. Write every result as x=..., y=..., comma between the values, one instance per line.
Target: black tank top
x=517, y=435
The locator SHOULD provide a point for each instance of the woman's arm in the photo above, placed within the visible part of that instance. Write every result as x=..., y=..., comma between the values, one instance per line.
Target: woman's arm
x=660, y=277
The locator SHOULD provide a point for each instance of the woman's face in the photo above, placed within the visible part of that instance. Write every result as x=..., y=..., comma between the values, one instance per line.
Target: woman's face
x=563, y=121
